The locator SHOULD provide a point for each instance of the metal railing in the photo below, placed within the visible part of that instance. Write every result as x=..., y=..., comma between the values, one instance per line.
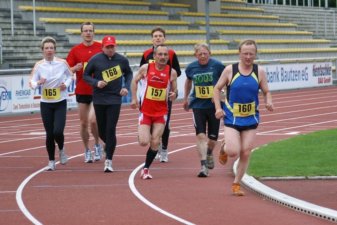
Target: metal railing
x=308, y=3
x=1, y=58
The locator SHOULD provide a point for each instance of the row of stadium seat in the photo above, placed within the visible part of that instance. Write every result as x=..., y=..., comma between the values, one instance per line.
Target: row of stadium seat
x=275, y=39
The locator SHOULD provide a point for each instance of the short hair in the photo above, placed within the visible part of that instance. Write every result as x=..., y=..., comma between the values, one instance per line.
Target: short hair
x=87, y=23
x=198, y=46
x=158, y=29
x=156, y=48
x=247, y=42
x=48, y=39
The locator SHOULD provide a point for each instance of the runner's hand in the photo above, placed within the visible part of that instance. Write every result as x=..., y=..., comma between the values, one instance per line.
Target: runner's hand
x=124, y=92
x=134, y=104
x=219, y=113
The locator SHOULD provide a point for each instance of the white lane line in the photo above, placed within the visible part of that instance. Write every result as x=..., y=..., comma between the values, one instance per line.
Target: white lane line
x=293, y=133
x=18, y=196
x=296, y=127
x=19, y=200
x=147, y=202
x=26, y=212
x=6, y=192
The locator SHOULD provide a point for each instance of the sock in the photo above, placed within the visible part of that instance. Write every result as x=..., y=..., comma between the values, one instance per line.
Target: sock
x=203, y=162
x=209, y=151
x=150, y=155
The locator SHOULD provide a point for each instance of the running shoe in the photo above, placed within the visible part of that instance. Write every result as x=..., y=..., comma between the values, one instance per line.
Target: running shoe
x=210, y=161
x=236, y=190
x=63, y=157
x=51, y=165
x=223, y=157
x=203, y=172
x=87, y=156
x=145, y=174
x=98, y=152
x=108, y=166
x=158, y=153
x=164, y=155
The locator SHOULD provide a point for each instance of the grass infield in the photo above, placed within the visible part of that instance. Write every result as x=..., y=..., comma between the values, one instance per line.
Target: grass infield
x=313, y=154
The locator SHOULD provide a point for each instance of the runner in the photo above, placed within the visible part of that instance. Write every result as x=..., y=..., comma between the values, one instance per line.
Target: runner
x=158, y=85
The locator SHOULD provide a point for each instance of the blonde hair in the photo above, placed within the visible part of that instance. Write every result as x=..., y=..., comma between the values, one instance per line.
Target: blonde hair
x=198, y=46
x=48, y=40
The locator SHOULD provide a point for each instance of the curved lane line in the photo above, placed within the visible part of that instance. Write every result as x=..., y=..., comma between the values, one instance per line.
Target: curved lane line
x=147, y=202
x=19, y=198
x=19, y=191
x=286, y=200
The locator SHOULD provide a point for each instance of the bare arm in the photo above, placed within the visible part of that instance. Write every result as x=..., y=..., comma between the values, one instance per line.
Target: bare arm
x=187, y=90
x=174, y=91
x=222, y=82
x=265, y=89
x=134, y=85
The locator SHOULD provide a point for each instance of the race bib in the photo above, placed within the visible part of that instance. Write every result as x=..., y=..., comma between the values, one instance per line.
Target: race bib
x=204, y=91
x=243, y=110
x=51, y=93
x=156, y=94
x=112, y=73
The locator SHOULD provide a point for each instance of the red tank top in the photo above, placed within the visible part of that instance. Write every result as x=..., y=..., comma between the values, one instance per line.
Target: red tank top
x=155, y=91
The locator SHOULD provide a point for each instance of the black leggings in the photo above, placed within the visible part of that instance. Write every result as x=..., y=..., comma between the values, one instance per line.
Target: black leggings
x=166, y=134
x=54, y=120
x=107, y=118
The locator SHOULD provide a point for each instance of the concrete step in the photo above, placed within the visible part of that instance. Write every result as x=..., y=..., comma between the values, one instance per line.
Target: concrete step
x=88, y=4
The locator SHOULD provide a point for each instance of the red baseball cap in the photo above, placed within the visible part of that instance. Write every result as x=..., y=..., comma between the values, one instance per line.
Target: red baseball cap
x=109, y=40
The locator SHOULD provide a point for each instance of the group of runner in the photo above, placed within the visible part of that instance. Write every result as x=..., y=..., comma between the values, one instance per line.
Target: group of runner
x=103, y=76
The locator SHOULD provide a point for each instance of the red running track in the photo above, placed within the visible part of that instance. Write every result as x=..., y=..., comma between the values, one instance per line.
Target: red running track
x=80, y=193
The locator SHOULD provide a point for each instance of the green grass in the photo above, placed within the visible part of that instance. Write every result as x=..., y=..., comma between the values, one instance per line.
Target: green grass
x=313, y=154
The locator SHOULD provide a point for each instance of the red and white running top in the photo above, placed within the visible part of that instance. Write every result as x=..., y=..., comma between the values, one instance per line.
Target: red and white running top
x=154, y=90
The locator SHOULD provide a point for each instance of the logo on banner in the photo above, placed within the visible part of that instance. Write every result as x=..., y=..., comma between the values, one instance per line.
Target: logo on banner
x=23, y=93
x=323, y=73
x=5, y=97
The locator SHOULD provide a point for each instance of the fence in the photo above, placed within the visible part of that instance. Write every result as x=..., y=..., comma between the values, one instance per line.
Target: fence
x=1, y=59
x=309, y=3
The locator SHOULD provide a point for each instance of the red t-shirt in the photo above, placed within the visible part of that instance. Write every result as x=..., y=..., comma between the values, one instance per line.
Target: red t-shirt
x=82, y=53
x=154, y=93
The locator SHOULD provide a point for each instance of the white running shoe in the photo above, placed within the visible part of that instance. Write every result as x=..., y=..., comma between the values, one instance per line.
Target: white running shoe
x=145, y=174
x=87, y=156
x=98, y=152
x=203, y=172
x=51, y=165
x=108, y=166
x=163, y=155
x=63, y=157
x=158, y=153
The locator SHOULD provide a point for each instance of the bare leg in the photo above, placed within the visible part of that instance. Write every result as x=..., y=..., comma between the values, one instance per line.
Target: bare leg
x=144, y=134
x=83, y=111
x=202, y=146
x=93, y=124
x=247, y=141
x=157, y=132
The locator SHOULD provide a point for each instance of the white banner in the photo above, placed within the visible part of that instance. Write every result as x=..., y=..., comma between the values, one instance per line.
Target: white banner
x=5, y=94
x=301, y=75
x=16, y=95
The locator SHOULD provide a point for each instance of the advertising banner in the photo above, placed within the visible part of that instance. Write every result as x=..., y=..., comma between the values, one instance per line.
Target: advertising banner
x=300, y=75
